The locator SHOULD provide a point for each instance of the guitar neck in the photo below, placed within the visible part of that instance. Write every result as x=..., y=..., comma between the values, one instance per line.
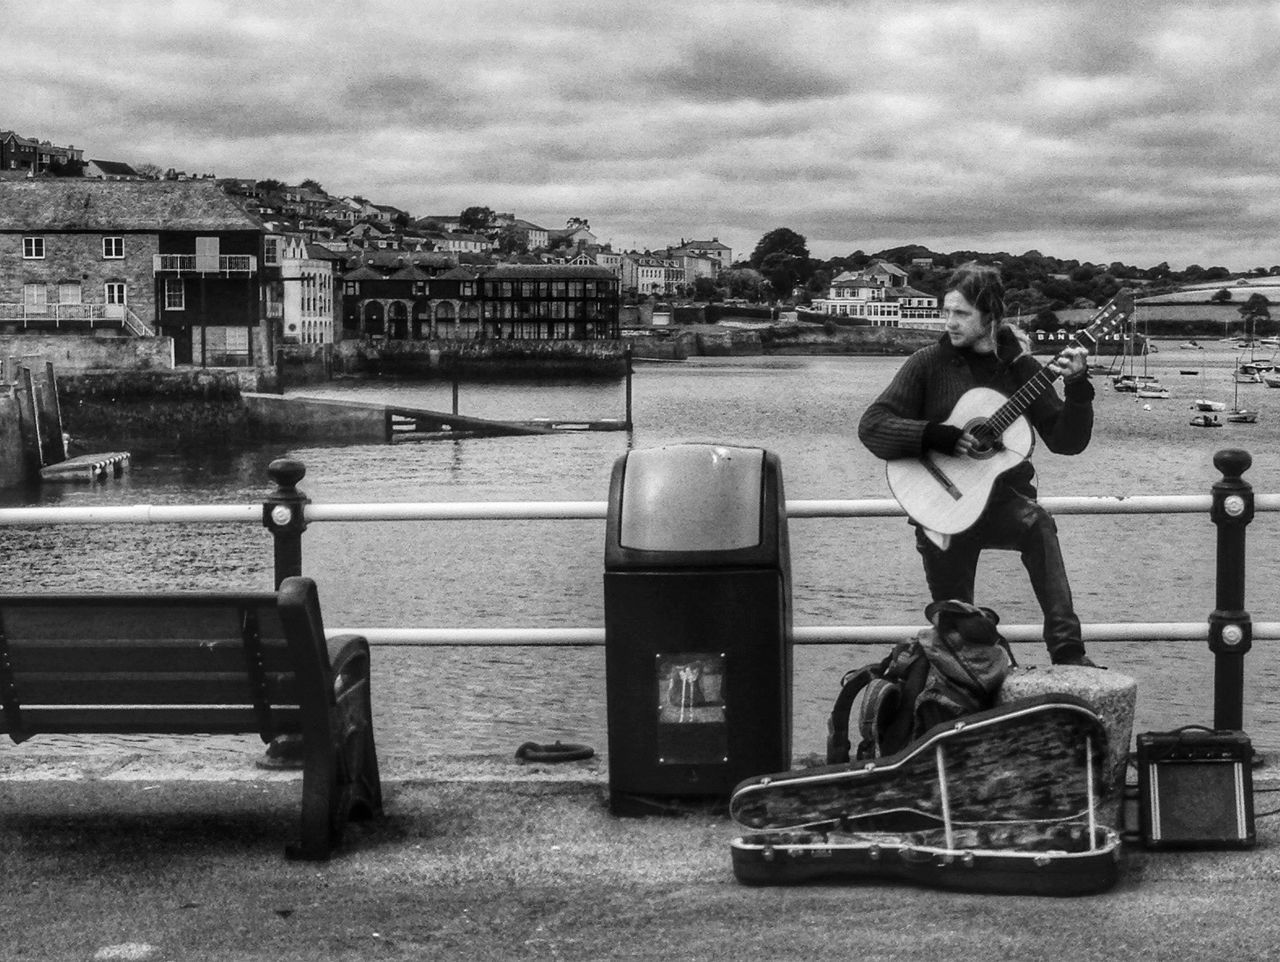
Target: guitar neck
x=1111, y=316
x=1021, y=399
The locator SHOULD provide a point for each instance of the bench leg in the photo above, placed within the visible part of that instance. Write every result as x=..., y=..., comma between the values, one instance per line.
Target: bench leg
x=340, y=779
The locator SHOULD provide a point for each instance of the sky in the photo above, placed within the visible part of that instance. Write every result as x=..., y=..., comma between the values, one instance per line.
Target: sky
x=1121, y=130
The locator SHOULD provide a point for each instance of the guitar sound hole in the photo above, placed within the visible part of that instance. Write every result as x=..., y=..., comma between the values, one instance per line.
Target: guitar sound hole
x=986, y=443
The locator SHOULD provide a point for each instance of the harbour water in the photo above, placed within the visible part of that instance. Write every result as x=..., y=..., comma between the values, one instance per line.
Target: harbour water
x=486, y=701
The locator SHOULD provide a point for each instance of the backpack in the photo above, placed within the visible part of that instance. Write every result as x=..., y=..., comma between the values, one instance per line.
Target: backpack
x=953, y=668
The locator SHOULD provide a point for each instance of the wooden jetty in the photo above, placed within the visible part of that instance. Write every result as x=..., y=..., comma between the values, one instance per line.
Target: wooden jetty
x=35, y=430
x=87, y=467
x=341, y=419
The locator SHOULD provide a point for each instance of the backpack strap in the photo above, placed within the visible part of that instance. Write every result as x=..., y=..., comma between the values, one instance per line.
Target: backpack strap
x=880, y=706
x=838, y=724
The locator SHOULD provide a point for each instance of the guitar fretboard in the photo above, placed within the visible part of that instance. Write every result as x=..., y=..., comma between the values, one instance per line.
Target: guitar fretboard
x=1111, y=316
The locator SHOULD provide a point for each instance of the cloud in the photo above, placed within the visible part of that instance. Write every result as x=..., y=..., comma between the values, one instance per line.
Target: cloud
x=1102, y=131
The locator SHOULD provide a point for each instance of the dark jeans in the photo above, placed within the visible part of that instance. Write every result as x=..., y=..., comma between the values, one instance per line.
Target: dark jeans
x=1017, y=524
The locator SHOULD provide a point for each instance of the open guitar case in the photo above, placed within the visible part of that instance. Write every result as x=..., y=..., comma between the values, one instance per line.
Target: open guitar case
x=1002, y=801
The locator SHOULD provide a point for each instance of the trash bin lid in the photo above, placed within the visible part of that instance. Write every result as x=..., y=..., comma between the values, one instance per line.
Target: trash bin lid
x=692, y=497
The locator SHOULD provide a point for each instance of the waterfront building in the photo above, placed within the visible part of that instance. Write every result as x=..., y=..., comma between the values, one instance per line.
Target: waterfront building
x=612, y=260
x=880, y=296
x=649, y=273
x=34, y=156
x=110, y=170
x=174, y=258
x=712, y=249
x=304, y=302
x=525, y=301
x=533, y=236
x=577, y=235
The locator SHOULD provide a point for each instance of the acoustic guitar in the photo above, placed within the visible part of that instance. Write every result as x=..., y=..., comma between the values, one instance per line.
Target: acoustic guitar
x=945, y=494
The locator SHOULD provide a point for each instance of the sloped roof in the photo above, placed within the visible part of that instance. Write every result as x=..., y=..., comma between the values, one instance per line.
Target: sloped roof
x=906, y=290
x=67, y=204
x=459, y=274
x=115, y=167
x=363, y=273
x=502, y=271
x=410, y=273
x=316, y=252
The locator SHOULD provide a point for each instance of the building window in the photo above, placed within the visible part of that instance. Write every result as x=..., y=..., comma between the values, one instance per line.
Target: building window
x=33, y=248
x=175, y=294
x=35, y=297
x=271, y=250
x=114, y=292
x=113, y=247
x=69, y=292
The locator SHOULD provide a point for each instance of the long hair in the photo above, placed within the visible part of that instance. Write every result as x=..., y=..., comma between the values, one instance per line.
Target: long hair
x=982, y=286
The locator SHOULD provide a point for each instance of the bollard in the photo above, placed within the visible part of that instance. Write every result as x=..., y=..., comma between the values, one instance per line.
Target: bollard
x=284, y=515
x=1230, y=628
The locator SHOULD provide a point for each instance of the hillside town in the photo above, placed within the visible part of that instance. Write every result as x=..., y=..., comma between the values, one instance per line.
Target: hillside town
x=162, y=268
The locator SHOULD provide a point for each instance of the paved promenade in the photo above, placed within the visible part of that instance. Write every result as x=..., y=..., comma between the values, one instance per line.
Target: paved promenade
x=123, y=855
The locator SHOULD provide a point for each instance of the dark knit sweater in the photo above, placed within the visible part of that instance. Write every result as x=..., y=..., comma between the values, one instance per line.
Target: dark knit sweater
x=927, y=387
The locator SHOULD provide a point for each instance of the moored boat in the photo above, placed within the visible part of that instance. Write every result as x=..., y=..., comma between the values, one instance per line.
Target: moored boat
x=1206, y=421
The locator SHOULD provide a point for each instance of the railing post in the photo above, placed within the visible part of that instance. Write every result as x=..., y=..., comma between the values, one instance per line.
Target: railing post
x=629, y=370
x=1230, y=628
x=284, y=515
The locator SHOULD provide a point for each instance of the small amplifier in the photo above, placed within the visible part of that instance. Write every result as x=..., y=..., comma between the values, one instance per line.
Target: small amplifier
x=1195, y=789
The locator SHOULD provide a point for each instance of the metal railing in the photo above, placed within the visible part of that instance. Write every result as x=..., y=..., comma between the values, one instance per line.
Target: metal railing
x=71, y=315
x=191, y=264
x=136, y=325
x=286, y=512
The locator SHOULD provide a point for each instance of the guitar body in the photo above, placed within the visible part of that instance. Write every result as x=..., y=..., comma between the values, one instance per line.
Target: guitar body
x=946, y=494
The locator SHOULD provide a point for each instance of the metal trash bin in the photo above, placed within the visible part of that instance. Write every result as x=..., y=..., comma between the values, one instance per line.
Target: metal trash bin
x=697, y=595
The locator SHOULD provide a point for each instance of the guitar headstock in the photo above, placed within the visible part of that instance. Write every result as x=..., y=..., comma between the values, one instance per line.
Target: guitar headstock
x=1110, y=318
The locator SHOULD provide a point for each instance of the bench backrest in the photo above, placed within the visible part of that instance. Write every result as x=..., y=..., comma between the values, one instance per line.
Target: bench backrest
x=166, y=663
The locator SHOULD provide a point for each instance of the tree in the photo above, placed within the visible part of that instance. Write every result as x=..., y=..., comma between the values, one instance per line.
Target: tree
x=704, y=289
x=310, y=184
x=1221, y=297
x=1256, y=308
x=149, y=171
x=577, y=223
x=780, y=240
x=475, y=220
x=745, y=283
x=269, y=186
x=511, y=240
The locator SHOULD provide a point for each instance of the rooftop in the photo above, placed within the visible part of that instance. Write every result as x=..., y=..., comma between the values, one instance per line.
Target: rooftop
x=70, y=204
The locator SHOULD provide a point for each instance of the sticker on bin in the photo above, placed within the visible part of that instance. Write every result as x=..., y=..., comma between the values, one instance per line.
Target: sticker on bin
x=691, y=709
x=690, y=689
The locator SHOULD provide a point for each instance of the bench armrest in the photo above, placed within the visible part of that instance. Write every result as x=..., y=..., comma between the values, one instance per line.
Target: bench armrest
x=349, y=660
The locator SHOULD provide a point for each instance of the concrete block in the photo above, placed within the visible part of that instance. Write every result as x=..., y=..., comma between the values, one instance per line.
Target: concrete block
x=1113, y=695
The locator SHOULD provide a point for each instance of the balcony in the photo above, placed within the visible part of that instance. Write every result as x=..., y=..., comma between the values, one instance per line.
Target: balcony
x=75, y=317
x=226, y=264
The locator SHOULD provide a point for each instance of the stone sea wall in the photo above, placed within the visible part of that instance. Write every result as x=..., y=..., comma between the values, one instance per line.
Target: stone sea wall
x=178, y=407
x=782, y=339
x=480, y=359
x=71, y=354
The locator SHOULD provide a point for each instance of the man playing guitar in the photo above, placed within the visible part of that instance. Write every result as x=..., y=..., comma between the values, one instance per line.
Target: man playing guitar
x=913, y=423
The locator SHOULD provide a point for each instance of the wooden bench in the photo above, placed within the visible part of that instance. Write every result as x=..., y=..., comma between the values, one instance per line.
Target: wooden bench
x=184, y=663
